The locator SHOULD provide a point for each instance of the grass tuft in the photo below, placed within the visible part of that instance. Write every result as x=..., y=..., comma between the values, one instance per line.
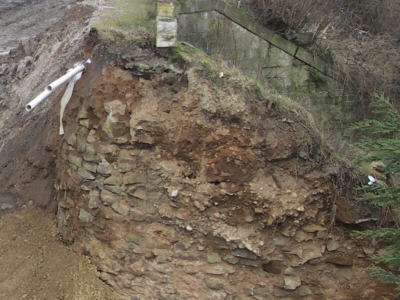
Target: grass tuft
x=126, y=17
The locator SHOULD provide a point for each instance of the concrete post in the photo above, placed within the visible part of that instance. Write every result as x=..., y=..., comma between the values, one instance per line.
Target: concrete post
x=167, y=25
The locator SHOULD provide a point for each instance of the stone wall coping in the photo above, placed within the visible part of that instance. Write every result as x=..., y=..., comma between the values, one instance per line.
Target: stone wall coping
x=239, y=17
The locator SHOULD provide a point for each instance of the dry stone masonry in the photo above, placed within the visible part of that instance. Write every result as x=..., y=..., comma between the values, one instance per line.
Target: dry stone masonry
x=184, y=187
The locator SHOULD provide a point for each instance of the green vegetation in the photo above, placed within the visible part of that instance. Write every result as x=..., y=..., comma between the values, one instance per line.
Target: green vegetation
x=126, y=17
x=185, y=53
x=381, y=141
x=359, y=38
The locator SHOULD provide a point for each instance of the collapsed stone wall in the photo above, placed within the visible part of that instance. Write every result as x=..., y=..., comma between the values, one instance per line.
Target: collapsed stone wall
x=181, y=184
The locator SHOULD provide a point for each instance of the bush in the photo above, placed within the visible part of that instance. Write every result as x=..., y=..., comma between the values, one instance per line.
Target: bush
x=381, y=141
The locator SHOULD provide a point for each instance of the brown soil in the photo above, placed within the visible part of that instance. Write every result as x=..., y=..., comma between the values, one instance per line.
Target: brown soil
x=36, y=265
x=155, y=253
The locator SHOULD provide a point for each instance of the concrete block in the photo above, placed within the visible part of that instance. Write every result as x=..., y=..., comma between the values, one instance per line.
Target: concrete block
x=206, y=5
x=237, y=16
x=312, y=60
x=220, y=6
x=263, y=33
x=283, y=44
x=167, y=32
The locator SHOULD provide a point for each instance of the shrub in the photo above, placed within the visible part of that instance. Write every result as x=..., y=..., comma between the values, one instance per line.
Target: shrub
x=381, y=141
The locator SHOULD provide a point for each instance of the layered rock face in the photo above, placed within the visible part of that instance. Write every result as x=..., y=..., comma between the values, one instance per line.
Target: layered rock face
x=182, y=183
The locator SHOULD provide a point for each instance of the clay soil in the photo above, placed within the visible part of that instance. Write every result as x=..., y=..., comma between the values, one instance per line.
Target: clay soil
x=35, y=264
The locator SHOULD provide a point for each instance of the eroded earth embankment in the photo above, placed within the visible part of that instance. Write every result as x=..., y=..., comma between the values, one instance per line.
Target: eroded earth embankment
x=181, y=183
x=178, y=182
x=38, y=40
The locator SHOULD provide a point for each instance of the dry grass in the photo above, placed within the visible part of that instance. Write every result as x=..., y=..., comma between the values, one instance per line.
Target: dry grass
x=361, y=37
x=126, y=16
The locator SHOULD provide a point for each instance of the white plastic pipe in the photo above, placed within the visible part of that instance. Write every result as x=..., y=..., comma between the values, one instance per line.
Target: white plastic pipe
x=70, y=73
x=55, y=84
x=38, y=99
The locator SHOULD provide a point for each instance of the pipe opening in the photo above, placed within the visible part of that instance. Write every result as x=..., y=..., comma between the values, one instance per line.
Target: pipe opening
x=28, y=107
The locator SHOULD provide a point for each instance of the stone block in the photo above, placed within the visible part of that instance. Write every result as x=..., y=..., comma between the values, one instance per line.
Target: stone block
x=83, y=113
x=114, y=179
x=81, y=143
x=219, y=269
x=92, y=136
x=220, y=6
x=84, y=122
x=107, y=148
x=71, y=139
x=117, y=189
x=84, y=174
x=283, y=44
x=90, y=157
x=231, y=259
x=167, y=32
x=236, y=15
x=339, y=259
x=108, y=197
x=205, y=5
x=165, y=9
x=104, y=168
x=120, y=208
x=134, y=178
x=291, y=283
x=84, y=216
x=74, y=159
x=212, y=283
x=243, y=253
x=213, y=258
x=91, y=167
x=138, y=192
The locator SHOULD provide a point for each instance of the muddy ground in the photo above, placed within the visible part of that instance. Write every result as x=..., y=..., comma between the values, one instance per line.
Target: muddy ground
x=39, y=39
x=35, y=264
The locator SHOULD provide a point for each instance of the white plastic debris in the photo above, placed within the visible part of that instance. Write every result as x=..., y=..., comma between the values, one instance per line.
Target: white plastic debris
x=371, y=179
x=174, y=193
x=65, y=99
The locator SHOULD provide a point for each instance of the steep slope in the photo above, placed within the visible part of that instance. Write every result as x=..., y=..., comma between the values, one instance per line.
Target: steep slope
x=43, y=38
x=28, y=139
x=177, y=180
x=184, y=183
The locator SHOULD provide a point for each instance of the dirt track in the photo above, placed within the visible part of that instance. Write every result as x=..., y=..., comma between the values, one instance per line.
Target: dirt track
x=44, y=36
x=23, y=19
x=35, y=264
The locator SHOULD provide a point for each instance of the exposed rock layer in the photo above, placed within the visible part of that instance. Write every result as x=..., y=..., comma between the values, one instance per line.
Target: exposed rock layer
x=181, y=184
